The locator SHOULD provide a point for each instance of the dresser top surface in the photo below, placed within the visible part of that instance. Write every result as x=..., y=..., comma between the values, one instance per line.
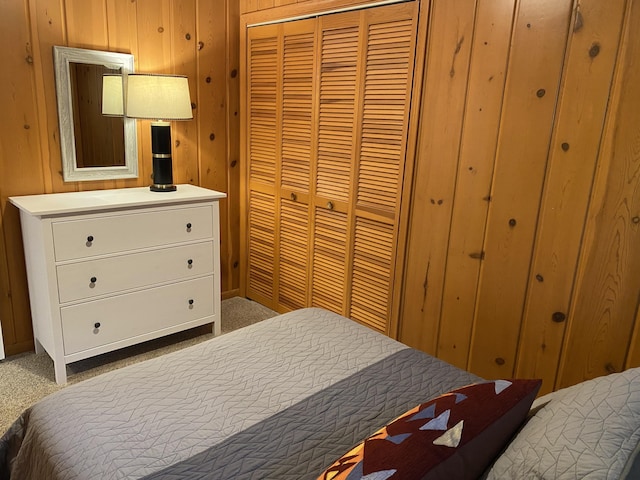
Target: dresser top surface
x=49, y=204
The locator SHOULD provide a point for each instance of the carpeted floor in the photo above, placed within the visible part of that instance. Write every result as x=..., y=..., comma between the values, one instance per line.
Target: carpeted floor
x=26, y=378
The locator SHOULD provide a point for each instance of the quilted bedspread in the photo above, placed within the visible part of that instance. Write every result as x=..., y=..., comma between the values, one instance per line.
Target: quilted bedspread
x=281, y=399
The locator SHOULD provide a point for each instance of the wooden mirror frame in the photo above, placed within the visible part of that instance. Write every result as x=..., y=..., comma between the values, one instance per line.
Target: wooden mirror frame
x=62, y=57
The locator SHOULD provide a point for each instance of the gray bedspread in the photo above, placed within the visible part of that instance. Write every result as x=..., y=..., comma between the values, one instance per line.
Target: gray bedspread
x=281, y=399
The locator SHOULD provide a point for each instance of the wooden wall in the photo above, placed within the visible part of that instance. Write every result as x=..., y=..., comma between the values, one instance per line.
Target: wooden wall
x=523, y=244
x=196, y=38
x=522, y=253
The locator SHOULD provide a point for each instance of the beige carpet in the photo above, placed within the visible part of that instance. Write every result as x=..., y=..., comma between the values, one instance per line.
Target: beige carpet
x=26, y=378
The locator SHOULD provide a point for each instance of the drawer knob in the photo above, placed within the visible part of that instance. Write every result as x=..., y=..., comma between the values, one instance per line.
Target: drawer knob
x=189, y=227
x=190, y=263
x=96, y=325
x=89, y=240
x=191, y=303
x=93, y=279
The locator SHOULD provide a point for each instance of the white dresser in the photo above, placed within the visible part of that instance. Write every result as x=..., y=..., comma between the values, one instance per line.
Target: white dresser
x=111, y=268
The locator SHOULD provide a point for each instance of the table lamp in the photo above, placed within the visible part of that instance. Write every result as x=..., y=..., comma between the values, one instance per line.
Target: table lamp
x=159, y=98
x=112, y=101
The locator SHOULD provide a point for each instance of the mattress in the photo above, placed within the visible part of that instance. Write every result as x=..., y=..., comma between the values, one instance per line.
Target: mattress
x=280, y=399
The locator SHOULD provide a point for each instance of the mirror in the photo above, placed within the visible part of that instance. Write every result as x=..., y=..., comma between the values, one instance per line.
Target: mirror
x=94, y=146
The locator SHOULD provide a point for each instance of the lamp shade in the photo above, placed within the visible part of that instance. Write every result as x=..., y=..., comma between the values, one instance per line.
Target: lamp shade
x=158, y=97
x=112, y=101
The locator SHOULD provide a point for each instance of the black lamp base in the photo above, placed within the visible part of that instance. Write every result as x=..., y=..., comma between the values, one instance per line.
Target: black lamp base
x=163, y=188
x=161, y=153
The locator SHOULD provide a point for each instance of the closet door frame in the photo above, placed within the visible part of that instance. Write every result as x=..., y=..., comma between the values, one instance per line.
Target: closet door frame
x=311, y=9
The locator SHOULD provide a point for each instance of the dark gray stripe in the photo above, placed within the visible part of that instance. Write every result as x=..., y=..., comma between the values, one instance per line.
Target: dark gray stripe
x=301, y=441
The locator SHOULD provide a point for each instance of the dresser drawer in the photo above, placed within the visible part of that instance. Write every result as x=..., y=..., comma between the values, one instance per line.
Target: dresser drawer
x=90, y=278
x=100, y=322
x=85, y=237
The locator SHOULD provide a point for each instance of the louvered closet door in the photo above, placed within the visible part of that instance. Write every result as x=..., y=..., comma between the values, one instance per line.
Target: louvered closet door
x=263, y=141
x=390, y=50
x=328, y=107
x=367, y=60
x=281, y=111
x=340, y=45
x=298, y=59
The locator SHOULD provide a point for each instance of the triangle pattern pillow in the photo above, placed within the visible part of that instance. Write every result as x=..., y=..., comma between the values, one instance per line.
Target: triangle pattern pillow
x=457, y=435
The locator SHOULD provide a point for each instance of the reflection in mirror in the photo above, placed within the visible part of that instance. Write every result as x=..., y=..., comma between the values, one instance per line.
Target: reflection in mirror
x=94, y=146
x=99, y=139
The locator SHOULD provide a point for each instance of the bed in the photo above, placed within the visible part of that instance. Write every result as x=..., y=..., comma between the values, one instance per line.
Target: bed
x=287, y=398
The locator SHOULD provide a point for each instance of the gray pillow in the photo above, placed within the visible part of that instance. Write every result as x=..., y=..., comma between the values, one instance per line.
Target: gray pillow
x=590, y=430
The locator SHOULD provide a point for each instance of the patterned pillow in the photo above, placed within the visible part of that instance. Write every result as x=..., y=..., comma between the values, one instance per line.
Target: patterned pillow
x=456, y=435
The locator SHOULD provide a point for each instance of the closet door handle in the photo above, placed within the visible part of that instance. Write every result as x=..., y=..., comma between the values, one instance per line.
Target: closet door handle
x=330, y=205
x=294, y=197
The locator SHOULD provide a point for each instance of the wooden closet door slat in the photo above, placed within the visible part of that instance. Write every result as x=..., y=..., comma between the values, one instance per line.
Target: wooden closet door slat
x=297, y=108
x=337, y=92
x=262, y=229
x=329, y=260
x=293, y=254
x=387, y=84
x=263, y=104
x=372, y=269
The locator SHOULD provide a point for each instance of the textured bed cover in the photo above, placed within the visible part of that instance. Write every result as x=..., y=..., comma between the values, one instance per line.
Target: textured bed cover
x=280, y=399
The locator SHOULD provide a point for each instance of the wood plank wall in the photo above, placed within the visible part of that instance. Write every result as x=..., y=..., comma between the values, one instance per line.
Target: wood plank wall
x=196, y=38
x=522, y=255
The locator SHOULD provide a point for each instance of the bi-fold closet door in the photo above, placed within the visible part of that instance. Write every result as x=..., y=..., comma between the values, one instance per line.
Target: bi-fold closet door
x=327, y=116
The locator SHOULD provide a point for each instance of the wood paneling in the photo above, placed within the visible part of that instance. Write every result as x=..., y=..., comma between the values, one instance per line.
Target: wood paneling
x=268, y=9
x=192, y=37
x=521, y=257
x=533, y=80
x=478, y=143
x=572, y=160
x=608, y=278
x=443, y=106
x=21, y=171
